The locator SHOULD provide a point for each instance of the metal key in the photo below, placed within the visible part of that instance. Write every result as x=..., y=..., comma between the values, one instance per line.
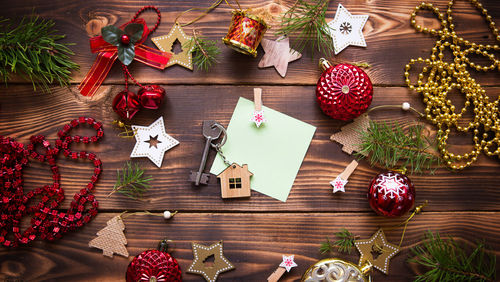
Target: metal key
x=211, y=132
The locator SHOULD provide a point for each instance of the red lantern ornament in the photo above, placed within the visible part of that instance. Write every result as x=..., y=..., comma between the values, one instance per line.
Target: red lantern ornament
x=151, y=96
x=343, y=91
x=126, y=104
x=154, y=265
x=391, y=194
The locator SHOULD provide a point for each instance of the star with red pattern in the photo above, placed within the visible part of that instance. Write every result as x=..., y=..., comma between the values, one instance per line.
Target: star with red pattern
x=338, y=184
x=258, y=118
x=288, y=262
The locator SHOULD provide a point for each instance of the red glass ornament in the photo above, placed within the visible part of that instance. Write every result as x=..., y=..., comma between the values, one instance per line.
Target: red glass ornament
x=125, y=39
x=154, y=265
x=126, y=104
x=151, y=96
x=391, y=194
x=344, y=91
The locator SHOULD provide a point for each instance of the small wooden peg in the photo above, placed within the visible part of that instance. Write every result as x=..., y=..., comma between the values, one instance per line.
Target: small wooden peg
x=257, y=98
x=349, y=170
x=276, y=275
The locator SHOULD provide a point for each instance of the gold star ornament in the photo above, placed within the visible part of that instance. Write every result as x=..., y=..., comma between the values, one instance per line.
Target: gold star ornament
x=166, y=44
x=376, y=251
x=210, y=272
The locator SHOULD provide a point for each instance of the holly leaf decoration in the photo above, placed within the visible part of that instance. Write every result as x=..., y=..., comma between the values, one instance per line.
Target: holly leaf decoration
x=134, y=30
x=126, y=53
x=112, y=34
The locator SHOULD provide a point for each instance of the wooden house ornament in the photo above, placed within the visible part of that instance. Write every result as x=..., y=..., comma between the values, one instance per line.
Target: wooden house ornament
x=235, y=181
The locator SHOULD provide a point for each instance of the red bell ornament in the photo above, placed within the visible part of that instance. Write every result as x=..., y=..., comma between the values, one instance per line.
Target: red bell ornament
x=343, y=91
x=151, y=96
x=391, y=194
x=154, y=266
x=126, y=104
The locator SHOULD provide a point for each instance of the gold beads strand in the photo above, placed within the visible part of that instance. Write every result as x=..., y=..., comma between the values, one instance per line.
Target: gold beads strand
x=438, y=78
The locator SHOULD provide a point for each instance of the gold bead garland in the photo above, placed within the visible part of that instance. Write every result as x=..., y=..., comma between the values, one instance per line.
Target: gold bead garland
x=438, y=78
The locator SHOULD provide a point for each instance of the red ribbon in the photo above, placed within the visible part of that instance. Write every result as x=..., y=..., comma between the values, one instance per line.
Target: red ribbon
x=107, y=54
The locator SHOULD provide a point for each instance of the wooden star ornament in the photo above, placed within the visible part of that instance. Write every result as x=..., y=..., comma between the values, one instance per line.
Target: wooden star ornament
x=377, y=251
x=278, y=54
x=166, y=42
x=220, y=263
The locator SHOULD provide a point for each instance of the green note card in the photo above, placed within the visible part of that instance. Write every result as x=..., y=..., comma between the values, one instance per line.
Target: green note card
x=273, y=152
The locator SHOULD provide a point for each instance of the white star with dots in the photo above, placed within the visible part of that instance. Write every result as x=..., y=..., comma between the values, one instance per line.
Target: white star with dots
x=338, y=184
x=347, y=29
x=152, y=141
x=288, y=262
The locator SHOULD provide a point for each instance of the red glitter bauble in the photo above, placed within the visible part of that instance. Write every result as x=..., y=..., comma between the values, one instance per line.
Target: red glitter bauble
x=391, y=194
x=126, y=104
x=151, y=96
x=154, y=266
x=344, y=91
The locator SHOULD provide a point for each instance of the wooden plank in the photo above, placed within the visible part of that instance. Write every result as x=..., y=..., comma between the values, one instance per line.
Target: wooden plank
x=391, y=41
x=23, y=114
x=255, y=256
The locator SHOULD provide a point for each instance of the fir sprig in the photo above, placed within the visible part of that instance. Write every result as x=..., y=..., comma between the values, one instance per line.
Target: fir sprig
x=305, y=22
x=344, y=244
x=205, y=51
x=131, y=181
x=31, y=51
x=446, y=260
x=391, y=146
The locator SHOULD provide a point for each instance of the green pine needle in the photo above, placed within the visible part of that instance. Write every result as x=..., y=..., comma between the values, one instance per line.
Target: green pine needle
x=131, y=182
x=392, y=146
x=31, y=51
x=305, y=21
x=204, y=51
x=344, y=244
x=445, y=260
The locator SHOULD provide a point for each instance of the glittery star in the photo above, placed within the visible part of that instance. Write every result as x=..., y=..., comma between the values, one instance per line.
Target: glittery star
x=288, y=262
x=166, y=42
x=258, y=118
x=347, y=29
x=201, y=253
x=377, y=251
x=338, y=184
x=152, y=141
x=278, y=54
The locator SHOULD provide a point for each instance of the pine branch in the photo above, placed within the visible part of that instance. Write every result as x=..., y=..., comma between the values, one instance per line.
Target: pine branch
x=31, y=51
x=131, y=182
x=305, y=21
x=344, y=244
x=205, y=51
x=391, y=146
x=446, y=260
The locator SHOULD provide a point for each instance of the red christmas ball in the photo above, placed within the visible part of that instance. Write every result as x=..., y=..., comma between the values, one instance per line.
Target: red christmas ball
x=344, y=91
x=391, y=194
x=154, y=266
x=151, y=96
x=126, y=104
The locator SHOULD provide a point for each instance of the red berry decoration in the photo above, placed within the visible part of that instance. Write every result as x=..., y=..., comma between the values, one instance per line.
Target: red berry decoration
x=125, y=39
x=126, y=104
x=154, y=266
x=151, y=96
x=391, y=194
x=344, y=91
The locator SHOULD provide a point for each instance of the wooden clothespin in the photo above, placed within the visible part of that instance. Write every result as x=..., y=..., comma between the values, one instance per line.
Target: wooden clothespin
x=285, y=265
x=341, y=180
x=258, y=113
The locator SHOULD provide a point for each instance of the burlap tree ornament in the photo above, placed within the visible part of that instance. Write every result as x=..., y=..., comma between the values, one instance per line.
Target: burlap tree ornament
x=350, y=135
x=111, y=239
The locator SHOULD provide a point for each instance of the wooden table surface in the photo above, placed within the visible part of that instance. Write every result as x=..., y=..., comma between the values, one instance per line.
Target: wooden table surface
x=256, y=231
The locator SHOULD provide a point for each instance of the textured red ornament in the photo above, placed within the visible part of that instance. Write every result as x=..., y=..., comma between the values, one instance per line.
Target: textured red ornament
x=151, y=96
x=391, y=194
x=154, y=265
x=126, y=104
x=344, y=91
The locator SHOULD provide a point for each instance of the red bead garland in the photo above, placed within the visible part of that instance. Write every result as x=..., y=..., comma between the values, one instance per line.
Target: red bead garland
x=47, y=222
